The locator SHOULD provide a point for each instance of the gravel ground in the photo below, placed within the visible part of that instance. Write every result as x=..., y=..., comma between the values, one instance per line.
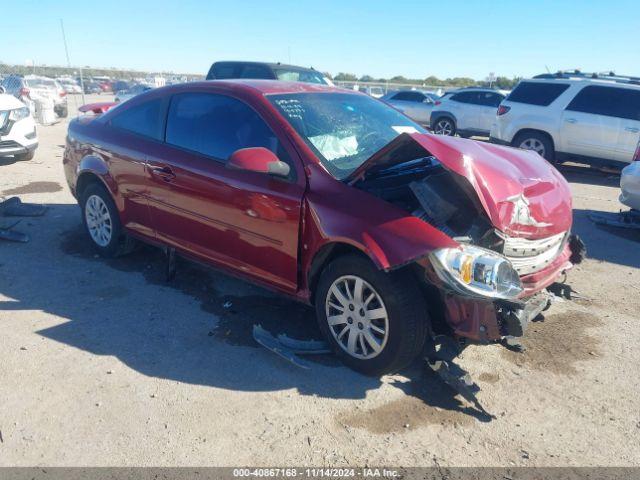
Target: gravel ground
x=103, y=363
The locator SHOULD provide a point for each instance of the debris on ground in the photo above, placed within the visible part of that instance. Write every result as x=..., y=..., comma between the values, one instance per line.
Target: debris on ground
x=440, y=353
x=627, y=219
x=289, y=348
x=14, y=207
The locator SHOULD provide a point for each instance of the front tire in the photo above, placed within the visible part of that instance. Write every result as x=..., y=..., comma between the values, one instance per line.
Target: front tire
x=538, y=142
x=375, y=322
x=102, y=222
x=444, y=126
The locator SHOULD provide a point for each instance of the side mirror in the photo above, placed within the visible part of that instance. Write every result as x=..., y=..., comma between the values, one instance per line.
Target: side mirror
x=258, y=159
x=2, y=90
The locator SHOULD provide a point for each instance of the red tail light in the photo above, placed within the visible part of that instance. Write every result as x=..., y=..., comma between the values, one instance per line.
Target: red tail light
x=502, y=110
x=63, y=93
x=636, y=156
x=438, y=102
x=24, y=92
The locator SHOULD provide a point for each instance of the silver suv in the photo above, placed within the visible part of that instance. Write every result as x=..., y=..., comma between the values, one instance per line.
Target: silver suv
x=591, y=118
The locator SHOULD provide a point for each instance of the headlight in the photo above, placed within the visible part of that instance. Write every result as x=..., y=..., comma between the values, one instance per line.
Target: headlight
x=474, y=270
x=19, y=114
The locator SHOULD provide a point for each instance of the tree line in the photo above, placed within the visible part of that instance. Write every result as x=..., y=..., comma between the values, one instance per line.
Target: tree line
x=499, y=81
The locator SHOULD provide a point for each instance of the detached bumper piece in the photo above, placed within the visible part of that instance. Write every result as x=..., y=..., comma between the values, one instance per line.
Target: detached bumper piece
x=628, y=219
x=13, y=207
x=289, y=348
x=513, y=317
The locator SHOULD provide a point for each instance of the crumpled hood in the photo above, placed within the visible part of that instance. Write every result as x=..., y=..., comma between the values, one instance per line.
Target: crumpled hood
x=522, y=194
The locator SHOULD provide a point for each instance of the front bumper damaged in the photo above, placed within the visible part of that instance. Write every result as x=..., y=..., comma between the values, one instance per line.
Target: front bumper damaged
x=486, y=320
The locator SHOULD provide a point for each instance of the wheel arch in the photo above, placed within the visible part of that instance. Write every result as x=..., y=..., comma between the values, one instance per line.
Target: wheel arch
x=524, y=131
x=93, y=169
x=324, y=256
x=438, y=114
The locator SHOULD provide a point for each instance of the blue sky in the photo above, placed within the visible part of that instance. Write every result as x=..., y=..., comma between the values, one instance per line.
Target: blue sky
x=411, y=38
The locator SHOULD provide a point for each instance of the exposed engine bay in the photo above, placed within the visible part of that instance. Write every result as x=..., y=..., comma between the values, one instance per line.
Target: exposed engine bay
x=430, y=192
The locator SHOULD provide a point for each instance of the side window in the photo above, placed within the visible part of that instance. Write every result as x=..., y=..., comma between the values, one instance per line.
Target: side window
x=146, y=119
x=464, y=97
x=216, y=126
x=489, y=99
x=416, y=97
x=256, y=71
x=537, y=93
x=608, y=101
x=406, y=96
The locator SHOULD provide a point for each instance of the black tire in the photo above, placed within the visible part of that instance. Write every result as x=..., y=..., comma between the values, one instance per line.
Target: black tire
x=26, y=156
x=537, y=138
x=119, y=243
x=405, y=305
x=63, y=112
x=439, y=126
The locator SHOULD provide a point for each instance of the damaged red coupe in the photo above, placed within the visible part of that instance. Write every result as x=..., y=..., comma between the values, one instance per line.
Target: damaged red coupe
x=399, y=238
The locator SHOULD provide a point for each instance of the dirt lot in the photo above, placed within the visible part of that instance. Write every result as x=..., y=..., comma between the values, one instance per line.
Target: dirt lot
x=103, y=363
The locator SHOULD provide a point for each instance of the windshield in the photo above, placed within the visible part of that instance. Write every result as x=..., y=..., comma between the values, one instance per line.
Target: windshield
x=343, y=129
x=308, y=76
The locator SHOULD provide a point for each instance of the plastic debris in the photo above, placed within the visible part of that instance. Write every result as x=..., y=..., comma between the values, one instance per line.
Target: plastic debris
x=289, y=348
x=13, y=207
x=628, y=219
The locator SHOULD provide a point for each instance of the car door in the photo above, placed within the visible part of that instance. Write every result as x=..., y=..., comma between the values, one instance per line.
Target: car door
x=245, y=221
x=466, y=110
x=590, y=125
x=487, y=111
x=630, y=131
x=134, y=130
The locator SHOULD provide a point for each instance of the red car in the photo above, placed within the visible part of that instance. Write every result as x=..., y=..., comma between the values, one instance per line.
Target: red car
x=396, y=236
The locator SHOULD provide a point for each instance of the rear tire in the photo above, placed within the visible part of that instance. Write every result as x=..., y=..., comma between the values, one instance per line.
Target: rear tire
x=536, y=141
x=101, y=221
x=380, y=345
x=444, y=126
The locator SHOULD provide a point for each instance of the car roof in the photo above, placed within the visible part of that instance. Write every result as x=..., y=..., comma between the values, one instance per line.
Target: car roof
x=579, y=80
x=265, y=64
x=267, y=87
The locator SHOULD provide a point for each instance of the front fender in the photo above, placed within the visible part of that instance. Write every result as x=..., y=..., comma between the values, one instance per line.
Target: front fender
x=390, y=237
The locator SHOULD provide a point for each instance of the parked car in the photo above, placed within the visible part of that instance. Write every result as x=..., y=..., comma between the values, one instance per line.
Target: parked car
x=467, y=112
x=630, y=183
x=335, y=199
x=69, y=85
x=131, y=92
x=29, y=87
x=374, y=91
x=18, y=137
x=415, y=104
x=268, y=71
x=592, y=119
x=92, y=88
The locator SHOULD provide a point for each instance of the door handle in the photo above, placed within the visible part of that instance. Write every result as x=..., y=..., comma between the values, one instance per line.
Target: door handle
x=163, y=172
x=632, y=129
x=571, y=120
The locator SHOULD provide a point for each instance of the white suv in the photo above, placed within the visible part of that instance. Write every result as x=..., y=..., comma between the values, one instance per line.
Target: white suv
x=17, y=129
x=590, y=118
x=467, y=112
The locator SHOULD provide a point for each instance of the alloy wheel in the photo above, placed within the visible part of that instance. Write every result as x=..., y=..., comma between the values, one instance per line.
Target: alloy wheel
x=357, y=317
x=533, y=144
x=443, y=127
x=98, y=220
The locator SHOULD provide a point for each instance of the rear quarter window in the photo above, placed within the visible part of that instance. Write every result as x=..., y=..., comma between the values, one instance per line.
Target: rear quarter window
x=537, y=93
x=145, y=119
